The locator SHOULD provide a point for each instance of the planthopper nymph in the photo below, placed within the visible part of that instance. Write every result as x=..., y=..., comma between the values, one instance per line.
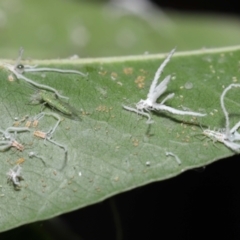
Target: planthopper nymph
x=50, y=99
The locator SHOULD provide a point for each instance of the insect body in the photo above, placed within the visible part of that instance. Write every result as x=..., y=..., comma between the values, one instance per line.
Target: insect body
x=40, y=134
x=54, y=102
x=222, y=137
x=214, y=135
x=43, y=96
x=14, y=175
x=17, y=145
x=143, y=107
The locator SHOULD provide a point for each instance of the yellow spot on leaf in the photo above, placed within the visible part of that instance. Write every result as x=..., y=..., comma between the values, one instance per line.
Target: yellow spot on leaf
x=140, y=81
x=20, y=161
x=128, y=70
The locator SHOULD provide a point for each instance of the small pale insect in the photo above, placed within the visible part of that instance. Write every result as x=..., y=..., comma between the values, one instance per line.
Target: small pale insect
x=215, y=135
x=223, y=138
x=17, y=145
x=40, y=134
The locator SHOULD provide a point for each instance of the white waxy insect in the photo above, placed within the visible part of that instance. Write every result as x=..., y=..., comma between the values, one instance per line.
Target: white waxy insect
x=143, y=107
x=232, y=145
x=14, y=175
x=234, y=135
x=231, y=133
x=20, y=76
x=28, y=68
x=227, y=136
x=218, y=136
x=18, y=70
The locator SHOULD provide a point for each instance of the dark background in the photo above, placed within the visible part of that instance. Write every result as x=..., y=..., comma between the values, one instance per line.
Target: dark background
x=230, y=7
x=199, y=204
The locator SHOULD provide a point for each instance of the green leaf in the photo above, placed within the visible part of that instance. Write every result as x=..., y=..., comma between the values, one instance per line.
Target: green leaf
x=112, y=150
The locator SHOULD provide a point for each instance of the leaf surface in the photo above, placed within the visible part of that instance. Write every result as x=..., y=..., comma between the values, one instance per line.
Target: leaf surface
x=112, y=150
